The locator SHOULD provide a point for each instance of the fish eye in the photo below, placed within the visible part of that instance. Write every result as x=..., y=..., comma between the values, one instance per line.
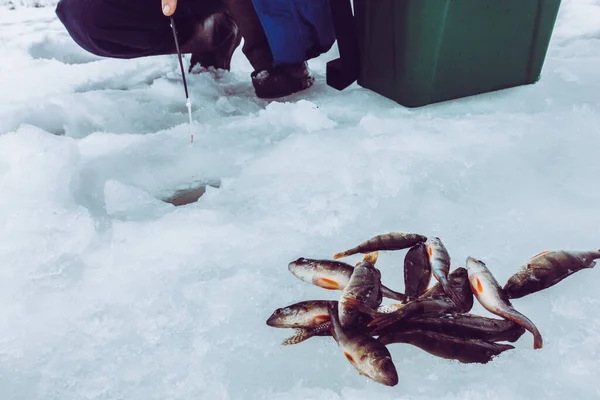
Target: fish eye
x=278, y=311
x=286, y=311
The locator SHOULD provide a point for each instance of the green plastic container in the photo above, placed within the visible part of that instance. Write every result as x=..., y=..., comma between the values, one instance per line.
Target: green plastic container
x=418, y=52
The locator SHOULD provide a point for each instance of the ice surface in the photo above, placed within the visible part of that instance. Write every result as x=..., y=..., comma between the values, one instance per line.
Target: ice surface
x=106, y=292
x=14, y=4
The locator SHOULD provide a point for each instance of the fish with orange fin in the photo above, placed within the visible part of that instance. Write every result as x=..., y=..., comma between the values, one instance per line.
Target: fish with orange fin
x=364, y=286
x=547, y=269
x=331, y=275
x=370, y=358
x=328, y=274
x=439, y=259
x=387, y=241
x=448, y=346
x=417, y=272
x=304, y=314
x=491, y=296
x=433, y=301
x=307, y=327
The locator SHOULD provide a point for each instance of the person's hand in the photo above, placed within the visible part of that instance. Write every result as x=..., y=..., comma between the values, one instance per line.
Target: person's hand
x=168, y=7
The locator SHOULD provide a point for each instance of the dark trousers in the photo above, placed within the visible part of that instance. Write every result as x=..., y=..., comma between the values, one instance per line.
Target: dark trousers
x=138, y=28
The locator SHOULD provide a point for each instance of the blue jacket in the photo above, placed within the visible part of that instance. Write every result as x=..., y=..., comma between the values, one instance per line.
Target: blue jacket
x=297, y=30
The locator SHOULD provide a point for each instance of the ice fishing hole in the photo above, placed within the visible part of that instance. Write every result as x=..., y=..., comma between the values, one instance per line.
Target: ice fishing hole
x=191, y=194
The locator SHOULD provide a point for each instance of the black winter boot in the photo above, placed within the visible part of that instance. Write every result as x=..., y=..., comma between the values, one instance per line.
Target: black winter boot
x=282, y=81
x=223, y=36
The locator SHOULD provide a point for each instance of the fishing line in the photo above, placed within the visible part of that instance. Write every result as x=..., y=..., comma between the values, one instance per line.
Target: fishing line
x=188, y=102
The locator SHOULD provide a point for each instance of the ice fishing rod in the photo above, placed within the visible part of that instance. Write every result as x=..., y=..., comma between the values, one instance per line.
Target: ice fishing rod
x=188, y=102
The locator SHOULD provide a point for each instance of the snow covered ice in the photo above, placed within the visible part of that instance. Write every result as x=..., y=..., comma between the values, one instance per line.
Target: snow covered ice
x=106, y=292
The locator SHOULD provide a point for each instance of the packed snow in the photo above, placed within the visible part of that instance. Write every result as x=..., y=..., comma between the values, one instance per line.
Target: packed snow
x=107, y=292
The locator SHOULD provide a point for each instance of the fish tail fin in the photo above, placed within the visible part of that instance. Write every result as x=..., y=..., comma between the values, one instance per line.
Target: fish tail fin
x=518, y=318
x=342, y=254
x=371, y=257
x=371, y=245
x=589, y=258
x=538, y=342
x=594, y=255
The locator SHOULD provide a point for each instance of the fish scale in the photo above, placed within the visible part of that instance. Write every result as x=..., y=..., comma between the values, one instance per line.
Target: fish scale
x=439, y=259
x=387, y=241
x=435, y=320
x=368, y=355
x=546, y=269
x=448, y=346
x=463, y=325
x=304, y=314
x=365, y=287
x=331, y=275
x=493, y=298
x=433, y=301
x=417, y=272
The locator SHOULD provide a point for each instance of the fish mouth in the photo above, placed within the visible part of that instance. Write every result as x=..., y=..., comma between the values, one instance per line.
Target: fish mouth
x=473, y=265
x=273, y=321
x=386, y=372
x=300, y=269
x=294, y=264
x=388, y=380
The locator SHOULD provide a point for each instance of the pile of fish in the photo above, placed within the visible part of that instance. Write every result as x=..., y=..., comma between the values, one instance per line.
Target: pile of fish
x=435, y=319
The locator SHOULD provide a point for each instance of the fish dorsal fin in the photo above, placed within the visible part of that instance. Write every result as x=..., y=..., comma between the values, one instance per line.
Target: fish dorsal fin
x=539, y=255
x=527, y=266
